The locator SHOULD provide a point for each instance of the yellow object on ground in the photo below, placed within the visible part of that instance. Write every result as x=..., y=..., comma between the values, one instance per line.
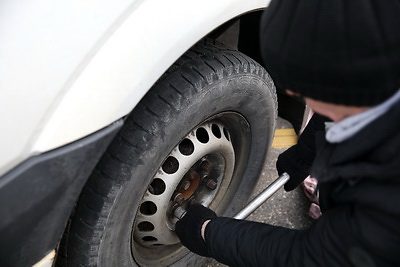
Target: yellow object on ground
x=284, y=138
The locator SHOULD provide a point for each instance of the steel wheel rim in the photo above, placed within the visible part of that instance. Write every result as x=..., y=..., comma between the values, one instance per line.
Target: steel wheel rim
x=160, y=245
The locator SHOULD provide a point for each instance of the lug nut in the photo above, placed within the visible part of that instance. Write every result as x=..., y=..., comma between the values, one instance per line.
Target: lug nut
x=206, y=166
x=191, y=174
x=178, y=198
x=211, y=184
x=179, y=212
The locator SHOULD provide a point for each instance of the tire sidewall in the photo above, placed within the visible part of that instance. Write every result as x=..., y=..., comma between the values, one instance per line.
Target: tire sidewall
x=242, y=93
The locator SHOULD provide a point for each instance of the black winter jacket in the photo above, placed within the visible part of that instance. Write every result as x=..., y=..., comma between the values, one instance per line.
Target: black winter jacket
x=359, y=183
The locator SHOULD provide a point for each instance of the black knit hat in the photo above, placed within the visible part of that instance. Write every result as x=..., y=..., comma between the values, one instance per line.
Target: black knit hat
x=337, y=51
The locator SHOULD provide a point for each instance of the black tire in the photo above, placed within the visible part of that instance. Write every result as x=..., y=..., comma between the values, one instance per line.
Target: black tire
x=209, y=85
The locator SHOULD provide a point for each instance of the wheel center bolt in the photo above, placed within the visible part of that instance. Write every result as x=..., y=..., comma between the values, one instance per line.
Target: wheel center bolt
x=185, y=185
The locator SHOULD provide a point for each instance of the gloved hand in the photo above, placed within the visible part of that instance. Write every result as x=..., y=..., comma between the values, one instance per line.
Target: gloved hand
x=290, y=162
x=297, y=160
x=188, y=228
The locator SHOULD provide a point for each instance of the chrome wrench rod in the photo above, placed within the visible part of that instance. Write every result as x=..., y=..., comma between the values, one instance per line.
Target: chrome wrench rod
x=262, y=197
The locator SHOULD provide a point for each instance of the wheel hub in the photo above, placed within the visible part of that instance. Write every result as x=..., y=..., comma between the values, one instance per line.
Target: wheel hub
x=196, y=171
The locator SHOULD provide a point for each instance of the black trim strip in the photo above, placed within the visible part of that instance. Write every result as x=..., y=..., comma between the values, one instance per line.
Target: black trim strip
x=37, y=197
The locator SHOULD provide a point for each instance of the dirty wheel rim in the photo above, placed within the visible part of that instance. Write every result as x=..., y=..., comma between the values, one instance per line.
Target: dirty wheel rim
x=199, y=169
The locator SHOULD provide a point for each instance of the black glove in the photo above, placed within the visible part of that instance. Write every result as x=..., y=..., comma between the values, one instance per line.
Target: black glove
x=188, y=228
x=297, y=160
x=290, y=162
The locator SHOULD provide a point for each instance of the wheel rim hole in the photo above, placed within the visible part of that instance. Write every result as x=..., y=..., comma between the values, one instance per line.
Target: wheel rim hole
x=148, y=208
x=216, y=131
x=171, y=165
x=202, y=135
x=146, y=227
x=226, y=133
x=149, y=238
x=157, y=187
x=186, y=147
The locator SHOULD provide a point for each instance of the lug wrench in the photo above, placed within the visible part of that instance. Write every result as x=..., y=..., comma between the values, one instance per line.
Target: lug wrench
x=262, y=197
x=255, y=203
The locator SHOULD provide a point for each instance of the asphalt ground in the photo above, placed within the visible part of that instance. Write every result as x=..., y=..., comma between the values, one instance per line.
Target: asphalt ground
x=287, y=209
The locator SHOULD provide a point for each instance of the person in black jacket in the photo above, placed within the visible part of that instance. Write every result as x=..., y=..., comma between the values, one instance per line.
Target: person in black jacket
x=343, y=58
x=297, y=161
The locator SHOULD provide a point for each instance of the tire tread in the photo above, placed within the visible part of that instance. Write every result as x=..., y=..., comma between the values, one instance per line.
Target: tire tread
x=205, y=63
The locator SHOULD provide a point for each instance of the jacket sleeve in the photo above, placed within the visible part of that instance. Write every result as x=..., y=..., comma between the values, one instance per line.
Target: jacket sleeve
x=328, y=242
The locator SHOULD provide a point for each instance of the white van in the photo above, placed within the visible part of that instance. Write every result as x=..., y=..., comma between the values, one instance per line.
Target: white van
x=115, y=115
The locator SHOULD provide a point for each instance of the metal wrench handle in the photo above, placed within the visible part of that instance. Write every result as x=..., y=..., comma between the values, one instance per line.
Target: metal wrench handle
x=263, y=196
